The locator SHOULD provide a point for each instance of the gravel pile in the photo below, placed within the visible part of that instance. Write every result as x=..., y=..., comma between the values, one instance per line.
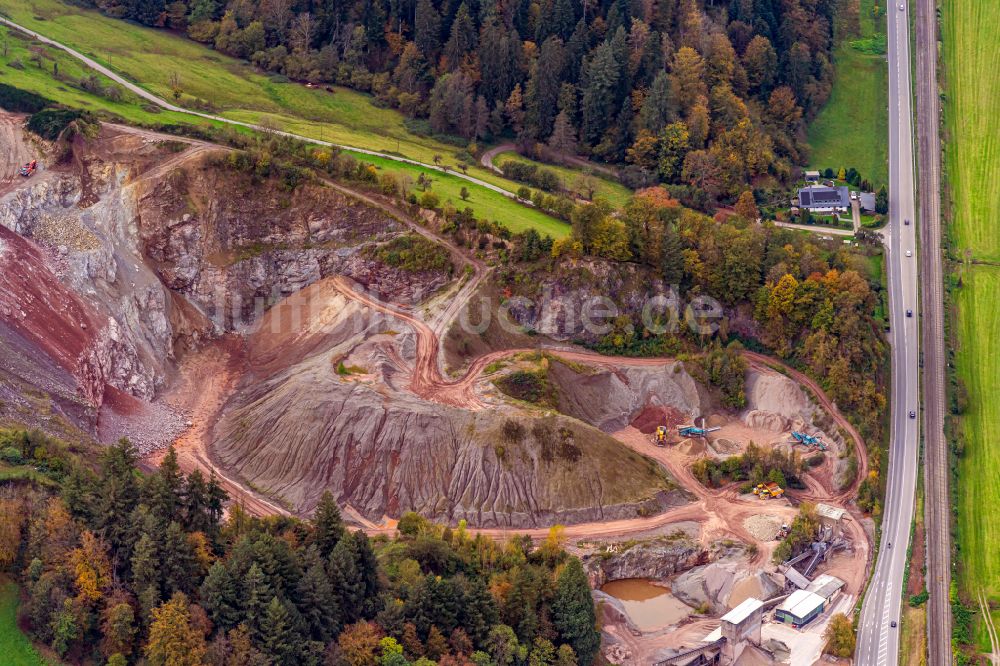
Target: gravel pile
x=763, y=527
x=65, y=230
x=155, y=427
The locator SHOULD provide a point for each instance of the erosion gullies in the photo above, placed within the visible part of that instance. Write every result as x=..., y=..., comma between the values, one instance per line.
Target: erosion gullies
x=151, y=249
x=80, y=216
x=53, y=326
x=296, y=427
x=146, y=253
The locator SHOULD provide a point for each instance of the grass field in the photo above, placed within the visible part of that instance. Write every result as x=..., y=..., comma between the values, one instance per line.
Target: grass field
x=234, y=88
x=484, y=203
x=913, y=644
x=237, y=91
x=971, y=51
x=614, y=193
x=971, y=42
x=978, y=360
x=40, y=79
x=852, y=130
x=14, y=646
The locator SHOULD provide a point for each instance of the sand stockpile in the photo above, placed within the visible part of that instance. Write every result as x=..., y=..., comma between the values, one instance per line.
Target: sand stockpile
x=763, y=527
x=693, y=447
x=777, y=394
x=761, y=420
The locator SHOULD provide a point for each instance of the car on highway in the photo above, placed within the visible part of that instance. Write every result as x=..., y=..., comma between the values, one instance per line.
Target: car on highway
x=906, y=222
x=902, y=6
x=913, y=414
x=893, y=624
x=909, y=253
x=909, y=313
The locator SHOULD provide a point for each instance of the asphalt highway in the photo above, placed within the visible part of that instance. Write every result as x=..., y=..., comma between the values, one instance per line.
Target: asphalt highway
x=878, y=640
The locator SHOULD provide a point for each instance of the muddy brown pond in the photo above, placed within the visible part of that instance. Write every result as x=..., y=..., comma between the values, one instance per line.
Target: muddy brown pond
x=649, y=606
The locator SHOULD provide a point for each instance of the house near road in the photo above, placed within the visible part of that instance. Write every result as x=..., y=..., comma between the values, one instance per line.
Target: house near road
x=823, y=199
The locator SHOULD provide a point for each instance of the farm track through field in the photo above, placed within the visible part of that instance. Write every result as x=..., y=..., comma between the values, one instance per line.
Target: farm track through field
x=991, y=629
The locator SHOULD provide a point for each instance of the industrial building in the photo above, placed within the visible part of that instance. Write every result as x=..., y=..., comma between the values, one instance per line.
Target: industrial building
x=800, y=608
x=831, y=517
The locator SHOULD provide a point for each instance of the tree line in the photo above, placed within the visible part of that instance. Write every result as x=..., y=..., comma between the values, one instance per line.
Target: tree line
x=118, y=567
x=710, y=95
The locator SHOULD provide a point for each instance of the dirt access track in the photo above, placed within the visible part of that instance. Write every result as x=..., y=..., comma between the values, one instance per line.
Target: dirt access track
x=17, y=149
x=205, y=385
x=721, y=511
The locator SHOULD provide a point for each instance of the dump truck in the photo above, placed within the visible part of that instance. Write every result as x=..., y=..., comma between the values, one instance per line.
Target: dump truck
x=28, y=168
x=660, y=436
x=768, y=490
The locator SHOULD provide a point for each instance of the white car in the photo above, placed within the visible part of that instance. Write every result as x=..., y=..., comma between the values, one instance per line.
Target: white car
x=909, y=253
x=902, y=7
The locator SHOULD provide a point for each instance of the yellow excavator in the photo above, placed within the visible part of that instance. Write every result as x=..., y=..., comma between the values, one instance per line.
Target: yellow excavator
x=660, y=437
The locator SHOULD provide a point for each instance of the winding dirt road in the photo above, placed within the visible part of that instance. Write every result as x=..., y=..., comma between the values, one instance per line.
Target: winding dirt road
x=721, y=512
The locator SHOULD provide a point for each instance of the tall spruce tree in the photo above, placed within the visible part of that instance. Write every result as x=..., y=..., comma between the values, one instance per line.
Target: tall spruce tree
x=573, y=612
x=328, y=526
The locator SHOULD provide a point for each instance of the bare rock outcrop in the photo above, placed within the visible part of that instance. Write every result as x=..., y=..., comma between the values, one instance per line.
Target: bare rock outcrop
x=577, y=304
x=656, y=559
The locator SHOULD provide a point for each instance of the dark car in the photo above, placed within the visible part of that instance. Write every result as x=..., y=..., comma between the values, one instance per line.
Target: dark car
x=906, y=222
x=913, y=414
x=909, y=313
x=893, y=624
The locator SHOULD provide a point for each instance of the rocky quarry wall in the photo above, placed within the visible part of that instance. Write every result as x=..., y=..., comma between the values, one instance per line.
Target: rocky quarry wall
x=127, y=252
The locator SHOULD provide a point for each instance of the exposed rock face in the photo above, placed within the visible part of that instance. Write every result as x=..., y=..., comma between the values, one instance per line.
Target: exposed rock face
x=135, y=253
x=657, y=559
x=235, y=247
x=55, y=322
x=560, y=306
x=141, y=251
